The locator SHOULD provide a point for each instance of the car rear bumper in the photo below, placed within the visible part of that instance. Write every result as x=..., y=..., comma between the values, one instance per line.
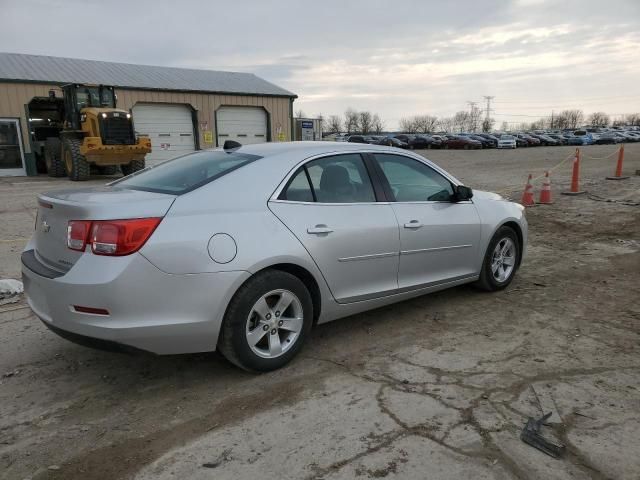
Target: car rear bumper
x=147, y=309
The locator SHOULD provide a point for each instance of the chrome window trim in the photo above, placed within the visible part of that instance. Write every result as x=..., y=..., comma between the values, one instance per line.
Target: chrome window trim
x=274, y=196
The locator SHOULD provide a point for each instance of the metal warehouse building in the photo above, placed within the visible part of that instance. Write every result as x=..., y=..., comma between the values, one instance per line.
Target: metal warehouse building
x=181, y=110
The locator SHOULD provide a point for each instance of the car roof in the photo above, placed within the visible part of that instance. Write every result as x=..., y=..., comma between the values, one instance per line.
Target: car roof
x=288, y=154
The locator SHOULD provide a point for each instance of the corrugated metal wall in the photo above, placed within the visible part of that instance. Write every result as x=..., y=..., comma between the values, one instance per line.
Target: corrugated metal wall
x=206, y=105
x=14, y=97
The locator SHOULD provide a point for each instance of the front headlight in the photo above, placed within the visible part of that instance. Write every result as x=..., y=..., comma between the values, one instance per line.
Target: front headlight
x=104, y=115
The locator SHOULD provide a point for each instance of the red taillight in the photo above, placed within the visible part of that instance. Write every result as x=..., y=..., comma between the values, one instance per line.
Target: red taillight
x=110, y=237
x=121, y=237
x=77, y=234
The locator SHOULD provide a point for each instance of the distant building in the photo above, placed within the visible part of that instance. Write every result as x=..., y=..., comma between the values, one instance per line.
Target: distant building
x=181, y=110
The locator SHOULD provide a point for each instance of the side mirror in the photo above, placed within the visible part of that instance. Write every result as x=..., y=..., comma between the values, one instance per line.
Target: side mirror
x=463, y=193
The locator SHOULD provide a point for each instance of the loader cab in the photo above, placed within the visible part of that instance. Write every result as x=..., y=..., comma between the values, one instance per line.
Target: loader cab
x=78, y=97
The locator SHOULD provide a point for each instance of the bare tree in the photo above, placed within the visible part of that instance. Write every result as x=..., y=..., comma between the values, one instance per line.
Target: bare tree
x=461, y=121
x=425, y=123
x=632, y=119
x=474, y=118
x=351, y=120
x=407, y=125
x=377, y=124
x=322, y=123
x=365, y=120
x=569, y=119
x=598, y=119
x=487, y=124
x=537, y=125
x=446, y=124
x=300, y=114
x=334, y=124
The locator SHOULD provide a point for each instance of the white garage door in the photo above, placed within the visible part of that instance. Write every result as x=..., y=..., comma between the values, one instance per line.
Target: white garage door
x=170, y=128
x=242, y=124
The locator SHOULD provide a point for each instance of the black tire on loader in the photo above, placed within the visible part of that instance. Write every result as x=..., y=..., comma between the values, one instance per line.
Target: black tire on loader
x=53, y=157
x=78, y=169
x=132, y=166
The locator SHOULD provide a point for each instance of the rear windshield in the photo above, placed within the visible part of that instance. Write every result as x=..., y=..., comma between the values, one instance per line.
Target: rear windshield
x=186, y=173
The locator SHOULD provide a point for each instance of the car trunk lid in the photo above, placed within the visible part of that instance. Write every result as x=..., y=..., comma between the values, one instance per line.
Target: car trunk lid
x=56, y=209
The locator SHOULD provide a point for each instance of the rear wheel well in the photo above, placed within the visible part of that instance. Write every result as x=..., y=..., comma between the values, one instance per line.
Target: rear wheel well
x=305, y=277
x=516, y=228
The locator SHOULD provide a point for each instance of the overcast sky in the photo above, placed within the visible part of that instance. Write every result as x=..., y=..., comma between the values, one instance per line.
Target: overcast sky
x=396, y=58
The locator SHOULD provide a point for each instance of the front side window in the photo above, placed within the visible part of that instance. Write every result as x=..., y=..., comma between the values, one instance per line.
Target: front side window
x=186, y=173
x=413, y=181
x=334, y=179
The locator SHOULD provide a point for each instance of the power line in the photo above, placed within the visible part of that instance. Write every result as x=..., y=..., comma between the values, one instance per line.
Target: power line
x=582, y=99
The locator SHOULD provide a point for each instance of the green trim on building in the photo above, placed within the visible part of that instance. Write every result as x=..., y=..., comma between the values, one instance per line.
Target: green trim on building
x=291, y=120
x=29, y=157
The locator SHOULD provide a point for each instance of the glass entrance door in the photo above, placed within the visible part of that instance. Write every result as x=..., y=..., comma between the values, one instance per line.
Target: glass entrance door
x=11, y=154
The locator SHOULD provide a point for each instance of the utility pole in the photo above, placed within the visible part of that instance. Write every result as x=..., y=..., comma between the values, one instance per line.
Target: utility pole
x=472, y=115
x=487, y=112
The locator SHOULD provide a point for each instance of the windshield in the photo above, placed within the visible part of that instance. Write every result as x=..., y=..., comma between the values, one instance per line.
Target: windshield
x=92, y=97
x=507, y=137
x=186, y=173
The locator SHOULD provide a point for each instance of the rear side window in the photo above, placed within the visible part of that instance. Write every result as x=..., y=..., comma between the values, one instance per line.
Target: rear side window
x=299, y=189
x=334, y=179
x=186, y=173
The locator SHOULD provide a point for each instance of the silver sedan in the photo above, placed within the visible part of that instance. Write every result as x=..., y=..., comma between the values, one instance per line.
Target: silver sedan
x=245, y=248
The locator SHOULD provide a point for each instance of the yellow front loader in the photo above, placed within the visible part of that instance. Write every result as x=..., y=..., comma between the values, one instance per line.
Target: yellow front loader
x=94, y=133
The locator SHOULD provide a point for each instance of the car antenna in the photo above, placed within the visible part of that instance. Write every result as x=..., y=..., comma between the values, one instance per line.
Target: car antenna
x=231, y=145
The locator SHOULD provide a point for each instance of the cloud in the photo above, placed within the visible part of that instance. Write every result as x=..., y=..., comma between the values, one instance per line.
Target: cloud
x=400, y=59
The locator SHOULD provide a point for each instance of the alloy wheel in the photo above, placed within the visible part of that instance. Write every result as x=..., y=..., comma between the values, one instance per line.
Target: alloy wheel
x=503, y=260
x=274, y=323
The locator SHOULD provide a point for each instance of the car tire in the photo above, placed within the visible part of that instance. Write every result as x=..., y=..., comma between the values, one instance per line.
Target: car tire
x=446, y=147
x=262, y=293
x=494, y=276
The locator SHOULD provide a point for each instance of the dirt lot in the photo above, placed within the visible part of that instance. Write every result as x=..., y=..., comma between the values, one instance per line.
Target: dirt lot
x=437, y=387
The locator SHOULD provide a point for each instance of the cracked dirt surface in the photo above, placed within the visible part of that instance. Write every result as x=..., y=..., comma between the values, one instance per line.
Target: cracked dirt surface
x=436, y=387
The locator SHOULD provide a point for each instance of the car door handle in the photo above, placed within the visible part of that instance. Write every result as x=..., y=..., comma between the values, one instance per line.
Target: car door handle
x=319, y=230
x=413, y=224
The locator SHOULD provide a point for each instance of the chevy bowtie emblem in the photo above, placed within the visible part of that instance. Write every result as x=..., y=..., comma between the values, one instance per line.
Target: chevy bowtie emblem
x=45, y=226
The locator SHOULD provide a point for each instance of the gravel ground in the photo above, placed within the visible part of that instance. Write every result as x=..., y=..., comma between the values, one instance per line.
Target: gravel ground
x=436, y=387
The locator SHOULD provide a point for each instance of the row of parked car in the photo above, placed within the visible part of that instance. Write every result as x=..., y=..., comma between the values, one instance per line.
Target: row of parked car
x=469, y=141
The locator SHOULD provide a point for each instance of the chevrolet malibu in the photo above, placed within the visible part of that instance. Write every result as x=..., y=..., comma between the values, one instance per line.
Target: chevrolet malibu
x=245, y=248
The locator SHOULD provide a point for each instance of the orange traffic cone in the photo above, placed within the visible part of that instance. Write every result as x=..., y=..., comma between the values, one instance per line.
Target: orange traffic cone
x=527, y=195
x=575, y=177
x=618, y=175
x=545, y=193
